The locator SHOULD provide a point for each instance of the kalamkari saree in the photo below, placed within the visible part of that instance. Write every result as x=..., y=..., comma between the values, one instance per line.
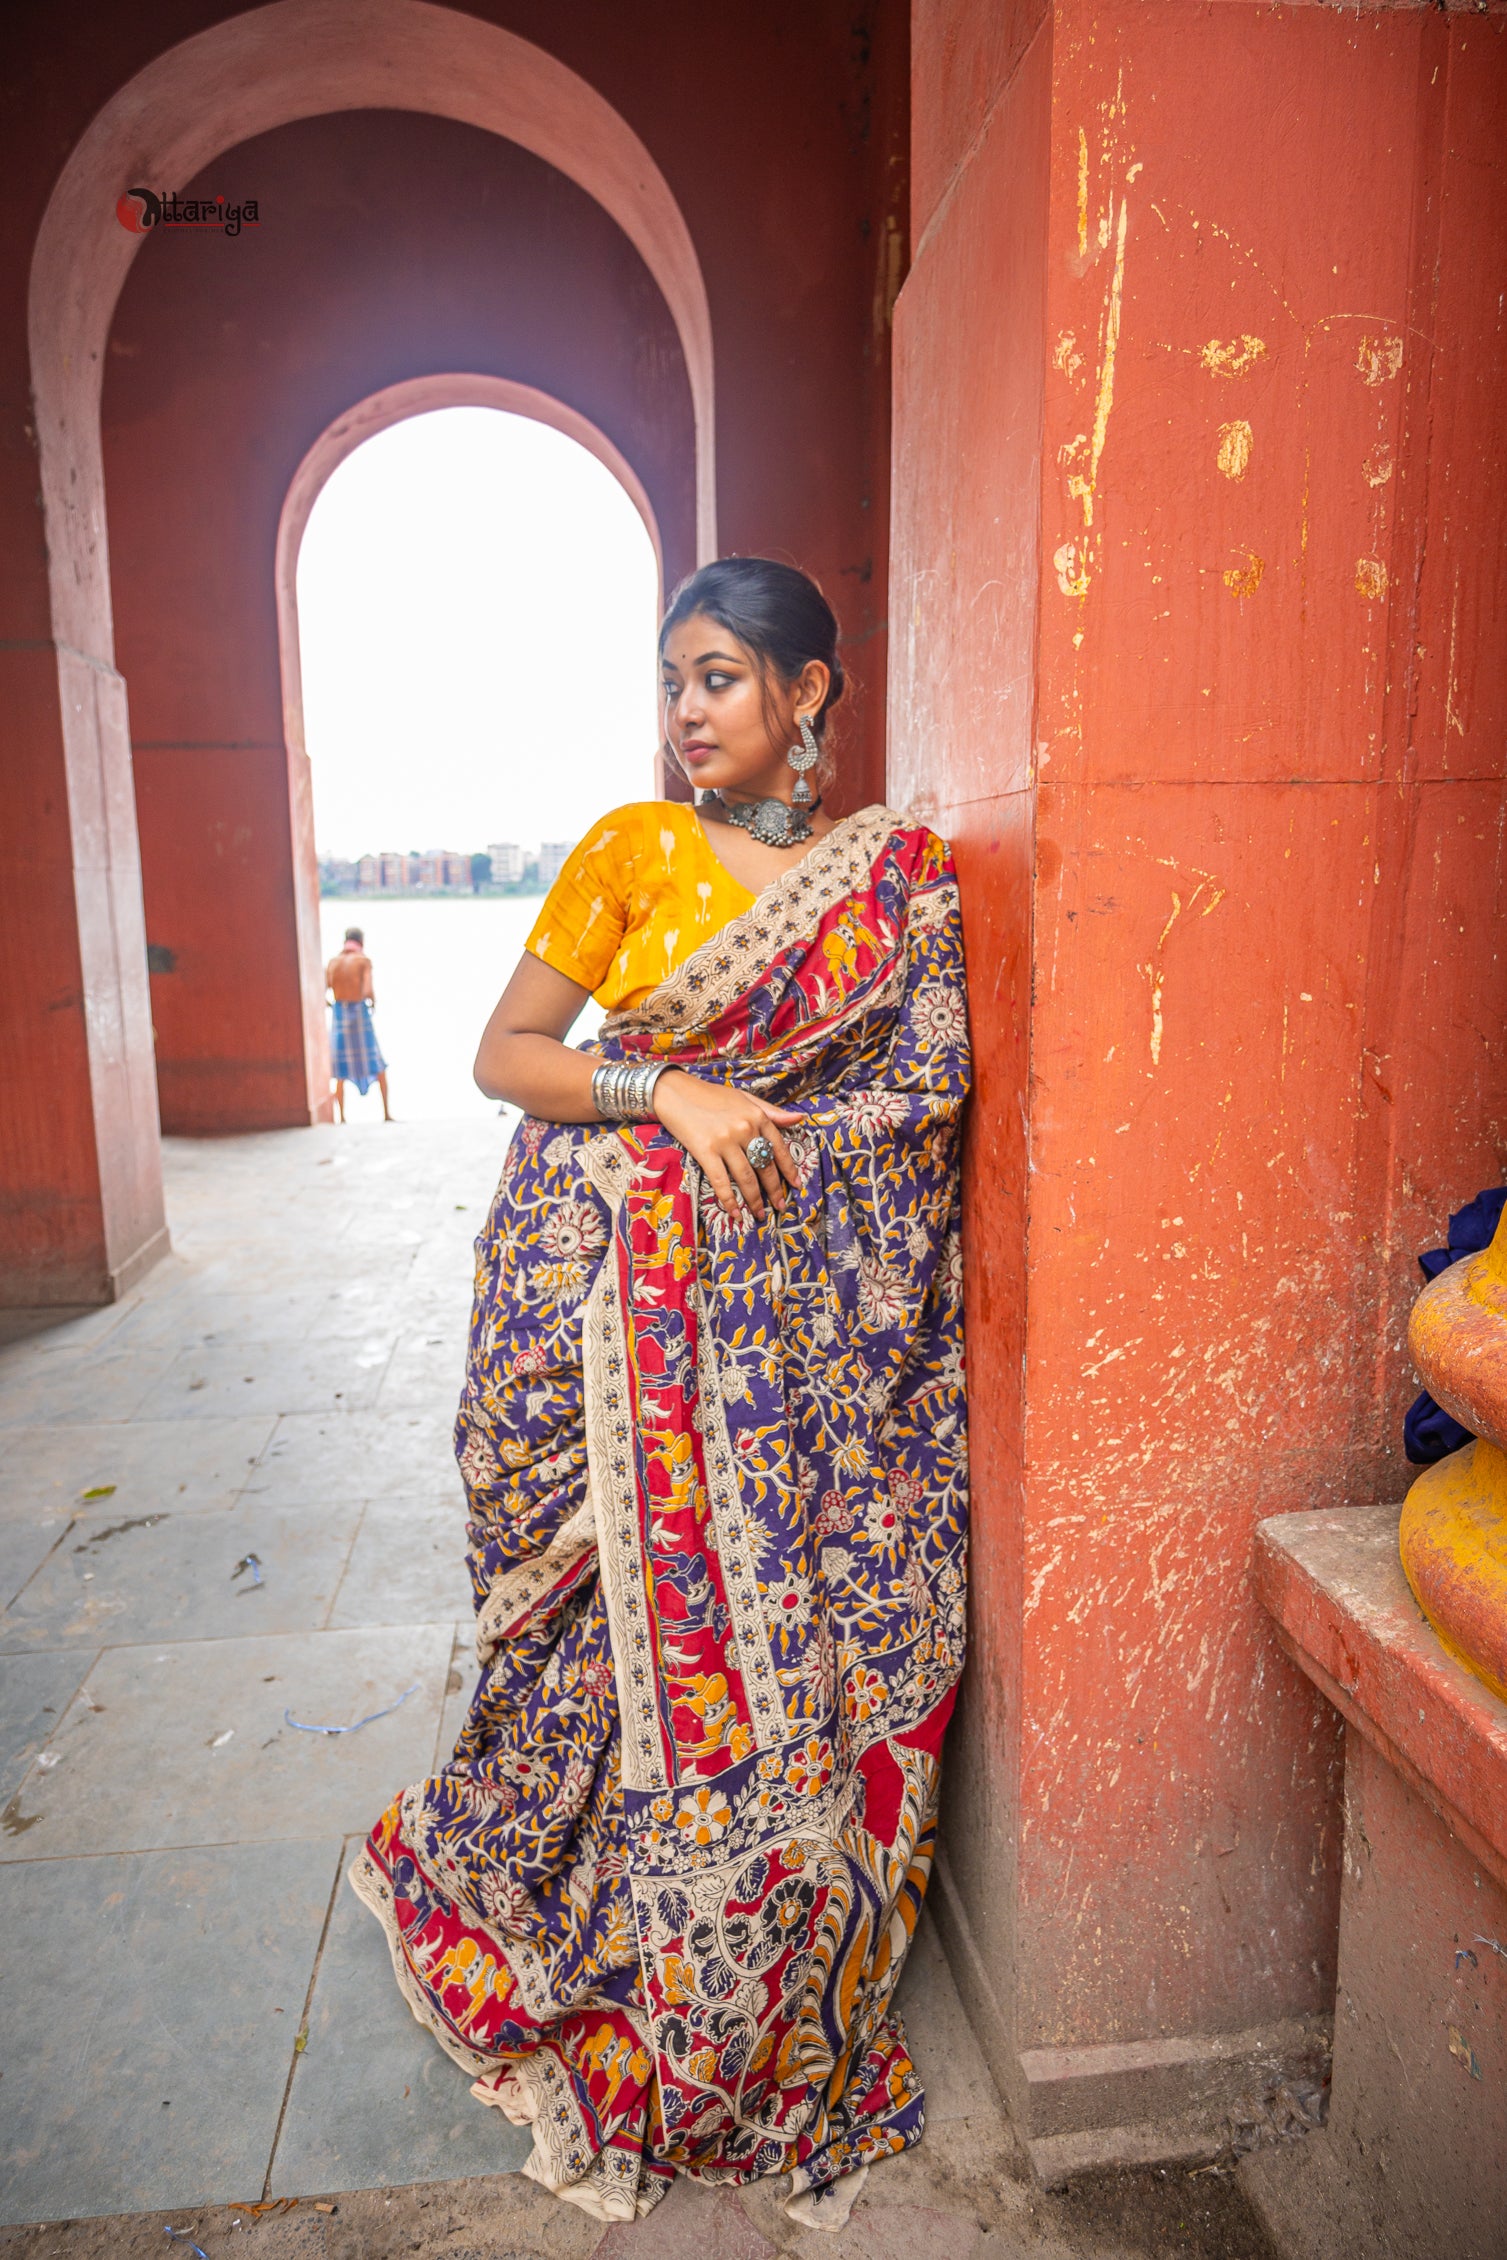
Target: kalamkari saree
x=658, y=1900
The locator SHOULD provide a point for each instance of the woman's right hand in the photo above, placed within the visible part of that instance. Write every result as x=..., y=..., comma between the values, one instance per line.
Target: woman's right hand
x=716, y=1124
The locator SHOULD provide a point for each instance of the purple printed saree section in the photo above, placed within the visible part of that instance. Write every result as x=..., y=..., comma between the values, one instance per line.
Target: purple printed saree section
x=659, y=1898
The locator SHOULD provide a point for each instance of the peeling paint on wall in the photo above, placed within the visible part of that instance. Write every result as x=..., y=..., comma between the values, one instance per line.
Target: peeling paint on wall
x=1378, y=359
x=1066, y=357
x=1105, y=399
x=1245, y=578
x=1235, y=358
x=1235, y=443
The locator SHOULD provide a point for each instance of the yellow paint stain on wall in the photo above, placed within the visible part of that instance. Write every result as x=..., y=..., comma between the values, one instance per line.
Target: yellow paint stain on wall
x=1069, y=457
x=1378, y=359
x=1235, y=443
x=1378, y=467
x=1066, y=357
x=1156, y=980
x=1371, y=578
x=1105, y=399
x=1244, y=579
x=1233, y=357
x=1071, y=570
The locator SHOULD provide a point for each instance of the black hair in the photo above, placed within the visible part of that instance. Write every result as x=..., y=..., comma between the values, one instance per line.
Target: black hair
x=776, y=611
x=354, y=934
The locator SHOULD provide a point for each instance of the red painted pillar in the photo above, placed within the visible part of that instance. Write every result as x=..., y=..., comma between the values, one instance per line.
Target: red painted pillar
x=80, y=1176
x=1200, y=402
x=81, y=1208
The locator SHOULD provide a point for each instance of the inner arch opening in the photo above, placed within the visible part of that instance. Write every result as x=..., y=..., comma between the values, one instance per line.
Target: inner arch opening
x=476, y=595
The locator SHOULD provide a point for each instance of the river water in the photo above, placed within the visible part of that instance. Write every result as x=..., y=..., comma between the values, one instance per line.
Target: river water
x=438, y=967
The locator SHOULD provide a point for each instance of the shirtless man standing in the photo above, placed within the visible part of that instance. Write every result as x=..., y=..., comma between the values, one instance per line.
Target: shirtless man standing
x=355, y=1054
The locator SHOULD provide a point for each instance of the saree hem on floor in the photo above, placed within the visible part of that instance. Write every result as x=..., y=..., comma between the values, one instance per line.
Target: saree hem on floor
x=658, y=1900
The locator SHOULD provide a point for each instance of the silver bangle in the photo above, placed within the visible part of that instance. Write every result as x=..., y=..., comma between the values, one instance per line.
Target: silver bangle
x=623, y=1089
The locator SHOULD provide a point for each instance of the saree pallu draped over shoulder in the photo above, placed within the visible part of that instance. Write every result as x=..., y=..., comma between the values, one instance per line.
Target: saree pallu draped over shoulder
x=658, y=1900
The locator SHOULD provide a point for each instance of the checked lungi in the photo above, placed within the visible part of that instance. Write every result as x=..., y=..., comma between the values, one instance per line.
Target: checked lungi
x=355, y=1054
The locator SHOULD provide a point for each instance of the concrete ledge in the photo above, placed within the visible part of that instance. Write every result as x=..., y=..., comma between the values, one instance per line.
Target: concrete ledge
x=1055, y=2158
x=1134, y=2084
x=1413, y=2161
x=1345, y=1614
x=1120, y=2103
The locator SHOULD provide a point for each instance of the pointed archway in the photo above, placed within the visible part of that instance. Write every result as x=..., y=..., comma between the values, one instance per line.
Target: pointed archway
x=293, y=60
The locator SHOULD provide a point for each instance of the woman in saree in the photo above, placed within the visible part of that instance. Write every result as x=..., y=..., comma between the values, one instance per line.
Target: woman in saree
x=713, y=1443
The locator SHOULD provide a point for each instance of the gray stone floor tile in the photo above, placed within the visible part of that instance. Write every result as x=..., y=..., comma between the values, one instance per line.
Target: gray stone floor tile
x=946, y=2054
x=438, y=1315
x=359, y=1455
x=75, y=1387
x=187, y=1744
x=194, y=1318
x=374, y=1231
x=35, y=1692
x=148, y=1989
x=407, y=1566
x=426, y=1369
x=283, y=1264
x=185, y=1465
x=226, y=1378
x=161, y=1576
x=24, y=1546
x=375, y=2100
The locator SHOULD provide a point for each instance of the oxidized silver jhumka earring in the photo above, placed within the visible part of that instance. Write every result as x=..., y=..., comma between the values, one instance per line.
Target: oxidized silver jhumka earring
x=802, y=757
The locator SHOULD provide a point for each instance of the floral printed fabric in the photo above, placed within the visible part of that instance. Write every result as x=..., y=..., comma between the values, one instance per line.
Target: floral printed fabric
x=659, y=1898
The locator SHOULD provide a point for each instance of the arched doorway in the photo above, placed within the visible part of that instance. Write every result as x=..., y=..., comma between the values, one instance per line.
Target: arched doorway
x=220, y=791
x=467, y=595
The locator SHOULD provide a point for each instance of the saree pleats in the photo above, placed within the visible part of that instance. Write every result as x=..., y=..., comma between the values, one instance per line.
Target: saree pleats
x=658, y=1900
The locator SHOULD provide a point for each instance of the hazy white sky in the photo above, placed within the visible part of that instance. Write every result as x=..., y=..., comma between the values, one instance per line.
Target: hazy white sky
x=476, y=600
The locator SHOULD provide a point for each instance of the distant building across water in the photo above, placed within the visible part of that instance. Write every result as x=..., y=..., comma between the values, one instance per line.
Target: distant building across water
x=502, y=868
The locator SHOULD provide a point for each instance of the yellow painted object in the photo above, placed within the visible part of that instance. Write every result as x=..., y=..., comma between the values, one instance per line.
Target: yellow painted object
x=1453, y=1536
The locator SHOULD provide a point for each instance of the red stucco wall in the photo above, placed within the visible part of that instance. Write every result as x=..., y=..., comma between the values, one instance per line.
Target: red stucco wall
x=1199, y=415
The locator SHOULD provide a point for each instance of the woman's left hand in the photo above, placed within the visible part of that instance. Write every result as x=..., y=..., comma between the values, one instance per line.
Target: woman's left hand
x=717, y=1124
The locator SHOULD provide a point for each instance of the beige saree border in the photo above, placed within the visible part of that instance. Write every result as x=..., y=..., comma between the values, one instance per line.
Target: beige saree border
x=737, y=1552
x=610, y=1465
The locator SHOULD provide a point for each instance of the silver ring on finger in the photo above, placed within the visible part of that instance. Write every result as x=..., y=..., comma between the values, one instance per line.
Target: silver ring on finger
x=760, y=1152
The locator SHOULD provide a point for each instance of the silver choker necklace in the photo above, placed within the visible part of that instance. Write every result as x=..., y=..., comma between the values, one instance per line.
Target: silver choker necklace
x=773, y=822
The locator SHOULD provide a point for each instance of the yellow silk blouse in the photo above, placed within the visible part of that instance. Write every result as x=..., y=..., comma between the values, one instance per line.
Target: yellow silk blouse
x=641, y=892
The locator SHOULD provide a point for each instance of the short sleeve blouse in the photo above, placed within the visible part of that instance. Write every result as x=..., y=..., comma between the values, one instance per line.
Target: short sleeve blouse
x=633, y=900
